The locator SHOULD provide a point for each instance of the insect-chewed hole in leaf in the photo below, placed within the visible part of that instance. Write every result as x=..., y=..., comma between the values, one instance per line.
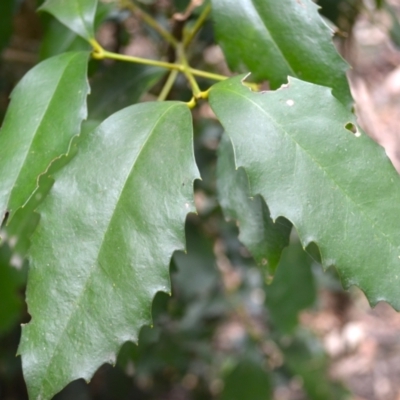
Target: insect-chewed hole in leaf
x=255, y=85
x=353, y=129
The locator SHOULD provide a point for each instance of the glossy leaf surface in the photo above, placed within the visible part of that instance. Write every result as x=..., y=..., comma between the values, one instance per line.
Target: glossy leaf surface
x=274, y=39
x=46, y=111
x=263, y=238
x=108, y=229
x=25, y=220
x=59, y=39
x=77, y=15
x=336, y=187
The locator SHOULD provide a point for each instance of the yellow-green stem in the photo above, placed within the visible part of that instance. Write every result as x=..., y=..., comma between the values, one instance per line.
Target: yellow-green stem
x=99, y=53
x=192, y=103
x=168, y=85
x=204, y=94
x=208, y=75
x=186, y=70
x=149, y=20
x=198, y=24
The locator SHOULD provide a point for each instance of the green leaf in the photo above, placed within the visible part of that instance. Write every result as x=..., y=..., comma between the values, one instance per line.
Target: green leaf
x=274, y=39
x=25, y=220
x=102, y=249
x=336, y=187
x=292, y=290
x=263, y=238
x=46, y=111
x=77, y=15
x=13, y=265
x=120, y=85
x=59, y=39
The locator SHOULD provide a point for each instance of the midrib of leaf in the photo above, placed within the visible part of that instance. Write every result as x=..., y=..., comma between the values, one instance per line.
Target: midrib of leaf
x=384, y=237
x=96, y=262
x=276, y=46
x=61, y=76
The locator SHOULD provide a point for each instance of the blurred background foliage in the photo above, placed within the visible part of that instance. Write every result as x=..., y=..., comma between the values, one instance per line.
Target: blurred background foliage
x=227, y=332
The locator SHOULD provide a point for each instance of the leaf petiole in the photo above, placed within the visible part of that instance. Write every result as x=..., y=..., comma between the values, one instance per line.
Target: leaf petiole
x=192, y=103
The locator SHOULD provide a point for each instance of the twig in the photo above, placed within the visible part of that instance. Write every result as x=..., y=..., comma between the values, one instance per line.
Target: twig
x=168, y=85
x=197, y=26
x=149, y=21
